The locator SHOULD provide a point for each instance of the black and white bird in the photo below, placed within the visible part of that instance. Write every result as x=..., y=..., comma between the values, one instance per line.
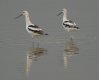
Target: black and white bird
x=31, y=28
x=68, y=24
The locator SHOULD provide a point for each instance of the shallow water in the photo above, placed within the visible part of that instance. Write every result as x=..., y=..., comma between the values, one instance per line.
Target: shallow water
x=56, y=57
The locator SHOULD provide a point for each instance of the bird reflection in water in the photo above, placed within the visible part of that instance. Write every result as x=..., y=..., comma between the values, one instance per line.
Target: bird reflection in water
x=70, y=50
x=33, y=55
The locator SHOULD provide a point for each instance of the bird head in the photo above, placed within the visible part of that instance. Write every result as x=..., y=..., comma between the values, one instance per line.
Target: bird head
x=22, y=13
x=63, y=11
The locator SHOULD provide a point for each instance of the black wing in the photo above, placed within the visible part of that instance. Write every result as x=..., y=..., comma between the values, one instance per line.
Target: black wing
x=33, y=26
x=36, y=31
x=69, y=24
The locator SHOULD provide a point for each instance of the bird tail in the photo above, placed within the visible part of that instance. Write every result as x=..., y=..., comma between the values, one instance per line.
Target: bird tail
x=78, y=28
x=45, y=34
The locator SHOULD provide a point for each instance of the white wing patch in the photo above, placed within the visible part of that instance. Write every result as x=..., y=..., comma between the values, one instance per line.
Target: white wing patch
x=38, y=29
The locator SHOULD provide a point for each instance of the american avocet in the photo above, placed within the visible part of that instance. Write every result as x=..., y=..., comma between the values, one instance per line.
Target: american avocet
x=68, y=24
x=31, y=28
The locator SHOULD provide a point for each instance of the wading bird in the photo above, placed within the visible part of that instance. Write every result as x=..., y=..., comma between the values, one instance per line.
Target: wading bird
x=31, y=28
x=68, y=24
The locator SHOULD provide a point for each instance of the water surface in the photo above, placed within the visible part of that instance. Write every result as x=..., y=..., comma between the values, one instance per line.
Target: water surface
x=15, y=42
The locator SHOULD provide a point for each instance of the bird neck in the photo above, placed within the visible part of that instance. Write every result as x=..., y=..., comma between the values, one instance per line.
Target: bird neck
x=64, y=16
x=28, y=21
